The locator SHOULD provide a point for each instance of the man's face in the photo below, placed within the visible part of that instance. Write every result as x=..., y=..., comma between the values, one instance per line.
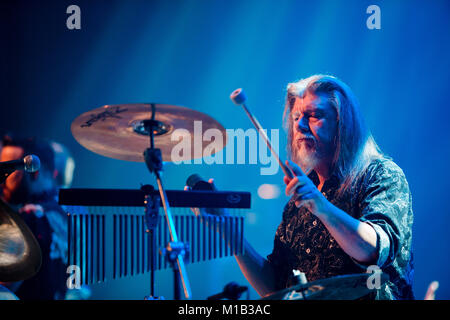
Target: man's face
x=314, y=130
x=14, y=184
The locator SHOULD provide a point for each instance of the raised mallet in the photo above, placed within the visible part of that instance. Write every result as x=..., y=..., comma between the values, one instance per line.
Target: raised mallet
x=238, y=97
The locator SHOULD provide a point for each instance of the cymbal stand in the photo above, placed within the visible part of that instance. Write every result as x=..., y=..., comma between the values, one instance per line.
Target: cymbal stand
x=151, y=222
x=153, y=160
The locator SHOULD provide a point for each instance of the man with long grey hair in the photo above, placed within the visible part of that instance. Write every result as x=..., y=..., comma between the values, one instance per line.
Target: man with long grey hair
x=351, y=205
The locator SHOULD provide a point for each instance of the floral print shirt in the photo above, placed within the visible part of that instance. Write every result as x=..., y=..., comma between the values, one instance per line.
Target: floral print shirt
x=380, y=197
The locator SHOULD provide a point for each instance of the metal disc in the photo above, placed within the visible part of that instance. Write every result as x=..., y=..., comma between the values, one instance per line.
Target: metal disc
x=20, y=254
x=117, y=131
x=345, y=287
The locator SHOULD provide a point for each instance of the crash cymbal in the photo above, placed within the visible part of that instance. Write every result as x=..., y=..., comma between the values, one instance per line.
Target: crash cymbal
x=345, y=287
x=117, y=131
x=6, y=294
x=20, y=254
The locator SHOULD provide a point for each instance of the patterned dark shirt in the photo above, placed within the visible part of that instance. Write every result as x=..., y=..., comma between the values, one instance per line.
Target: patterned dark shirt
x=380, y=197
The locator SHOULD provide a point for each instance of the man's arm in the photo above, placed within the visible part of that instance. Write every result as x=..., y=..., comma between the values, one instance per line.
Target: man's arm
x=257, y=270
x=358, y=239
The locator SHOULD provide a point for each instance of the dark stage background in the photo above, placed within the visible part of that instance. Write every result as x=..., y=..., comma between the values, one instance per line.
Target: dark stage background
x=194, y=53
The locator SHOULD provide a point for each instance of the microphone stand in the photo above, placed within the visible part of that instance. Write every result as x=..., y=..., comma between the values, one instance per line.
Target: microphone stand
x=175, y=250
x=151, y=220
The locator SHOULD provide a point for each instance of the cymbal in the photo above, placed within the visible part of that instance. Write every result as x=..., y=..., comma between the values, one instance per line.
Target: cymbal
x=20, y=254
x=6, y=294
x=345, y=287
x=117, y=131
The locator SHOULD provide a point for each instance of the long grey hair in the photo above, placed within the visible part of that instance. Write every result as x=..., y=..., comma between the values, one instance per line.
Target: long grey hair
x=355, y=145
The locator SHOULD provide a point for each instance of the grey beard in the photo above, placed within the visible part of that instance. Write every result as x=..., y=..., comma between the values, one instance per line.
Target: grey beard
x=307, y=162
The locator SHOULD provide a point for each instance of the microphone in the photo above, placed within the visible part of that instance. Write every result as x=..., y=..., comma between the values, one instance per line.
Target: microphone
x=197, y=183
x=29, y=163
x=232, y=291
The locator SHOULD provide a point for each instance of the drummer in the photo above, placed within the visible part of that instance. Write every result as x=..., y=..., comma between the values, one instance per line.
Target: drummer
x=350, y=205
x=34, y=196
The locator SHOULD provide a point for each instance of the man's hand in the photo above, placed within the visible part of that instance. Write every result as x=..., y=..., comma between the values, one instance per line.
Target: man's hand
x=304, y=190
x=358, y=239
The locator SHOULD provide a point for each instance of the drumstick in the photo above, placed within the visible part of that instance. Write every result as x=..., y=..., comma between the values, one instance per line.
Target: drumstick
x=238, y=97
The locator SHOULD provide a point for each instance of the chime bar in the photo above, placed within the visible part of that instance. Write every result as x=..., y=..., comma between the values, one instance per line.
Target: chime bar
x=135, y=198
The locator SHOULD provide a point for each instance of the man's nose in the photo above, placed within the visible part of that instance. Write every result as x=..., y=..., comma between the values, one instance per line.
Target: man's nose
x=302, y=125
